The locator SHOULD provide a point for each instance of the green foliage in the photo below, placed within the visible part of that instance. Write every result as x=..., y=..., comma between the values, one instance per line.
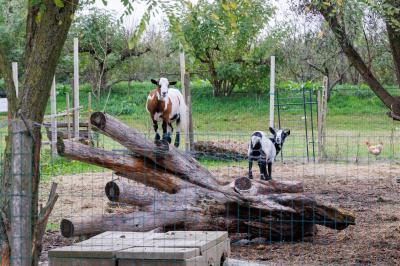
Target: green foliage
x=12, y=28
x=223, y=37
x=98, y=31
x=59, y=3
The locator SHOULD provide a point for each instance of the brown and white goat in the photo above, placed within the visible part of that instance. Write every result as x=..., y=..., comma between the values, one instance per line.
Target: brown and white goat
x=166, y=105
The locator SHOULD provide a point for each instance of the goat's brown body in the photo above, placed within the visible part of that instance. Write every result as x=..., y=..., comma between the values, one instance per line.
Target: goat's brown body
x=166, y=110
x=155, y=106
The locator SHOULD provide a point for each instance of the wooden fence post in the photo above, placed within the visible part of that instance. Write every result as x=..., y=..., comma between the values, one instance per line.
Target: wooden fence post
x=14, y=66
x=68, y=116
x=182, y=67
x=21, y=205
x=76, y=88
x=53, y=106
x=272, y=93
x=89, y=127
x=184, y=92
x=319, y=125
x=189, y=120
x=322, y=102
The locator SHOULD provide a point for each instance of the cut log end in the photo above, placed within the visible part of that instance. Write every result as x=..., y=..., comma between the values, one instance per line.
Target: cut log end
x=242, y=183
x=60, y=146
x=67, y=228
x=98, y=119
x=112, y=191
x=123, y=192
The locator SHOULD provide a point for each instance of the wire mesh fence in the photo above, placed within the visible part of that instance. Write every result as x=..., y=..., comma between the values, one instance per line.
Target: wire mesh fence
x=350, y=176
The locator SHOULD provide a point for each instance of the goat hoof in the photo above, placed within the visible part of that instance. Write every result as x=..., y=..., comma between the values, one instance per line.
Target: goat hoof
x=167, y=139
x=157, y=137
x=176, y=144
x=161, y=146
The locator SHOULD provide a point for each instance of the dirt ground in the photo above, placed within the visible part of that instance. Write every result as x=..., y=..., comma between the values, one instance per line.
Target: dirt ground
x=370, y=191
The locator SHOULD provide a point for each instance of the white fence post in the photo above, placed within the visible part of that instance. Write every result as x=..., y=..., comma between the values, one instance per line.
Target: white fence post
x=272, y=93
x=53, y=106
x=186, y=123
x=14, y=66
x=76, y=88
x=68, y=116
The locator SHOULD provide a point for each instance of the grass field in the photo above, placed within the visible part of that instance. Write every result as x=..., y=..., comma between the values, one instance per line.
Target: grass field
x=354, y=115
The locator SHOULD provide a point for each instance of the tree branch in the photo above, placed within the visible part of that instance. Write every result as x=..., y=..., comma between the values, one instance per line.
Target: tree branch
x=321, y=70
x=44, y=214
x=172, y=51
x=132, y=52
x=355, y=58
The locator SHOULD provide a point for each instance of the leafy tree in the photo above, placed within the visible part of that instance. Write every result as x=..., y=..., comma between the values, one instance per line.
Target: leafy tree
x=337, y=15
x=103, y=38
x=222, y=36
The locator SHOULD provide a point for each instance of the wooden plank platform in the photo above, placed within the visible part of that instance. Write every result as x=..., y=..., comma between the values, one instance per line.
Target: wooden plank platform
x=130, y=248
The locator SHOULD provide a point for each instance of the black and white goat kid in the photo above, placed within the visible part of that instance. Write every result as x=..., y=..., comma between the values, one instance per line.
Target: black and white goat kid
x=264, y=150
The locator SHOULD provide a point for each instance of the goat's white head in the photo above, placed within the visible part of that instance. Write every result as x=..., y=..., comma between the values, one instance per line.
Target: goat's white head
x=163, y=84
x=279, y=135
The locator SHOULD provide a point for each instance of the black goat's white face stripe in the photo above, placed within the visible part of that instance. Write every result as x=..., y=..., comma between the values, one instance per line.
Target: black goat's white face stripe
x=280, y=136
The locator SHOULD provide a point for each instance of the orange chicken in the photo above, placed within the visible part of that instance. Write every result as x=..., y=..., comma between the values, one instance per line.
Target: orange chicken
x=374, y=149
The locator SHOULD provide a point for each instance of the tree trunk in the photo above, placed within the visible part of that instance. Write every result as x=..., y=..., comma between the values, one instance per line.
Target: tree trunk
x=354, y=57
x=274, y=209
x=394, y=40
x=216, y=83
x=103, y=76
x=45, y=39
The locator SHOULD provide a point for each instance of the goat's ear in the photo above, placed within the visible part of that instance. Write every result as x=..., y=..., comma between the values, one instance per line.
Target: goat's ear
x=154, y=81
x=173, y=82
x=272, y=130
x=287, y=132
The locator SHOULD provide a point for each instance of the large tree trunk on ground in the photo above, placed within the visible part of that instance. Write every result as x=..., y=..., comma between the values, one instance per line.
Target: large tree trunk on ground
x=130, y=167
x=273, y=209
x=174, y=160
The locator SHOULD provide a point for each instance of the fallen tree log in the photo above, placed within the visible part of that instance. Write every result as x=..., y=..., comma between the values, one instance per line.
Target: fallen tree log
x=276, y=210
x=123, y=192
x=128, y=166
x=174, y=160
x=277, y=217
